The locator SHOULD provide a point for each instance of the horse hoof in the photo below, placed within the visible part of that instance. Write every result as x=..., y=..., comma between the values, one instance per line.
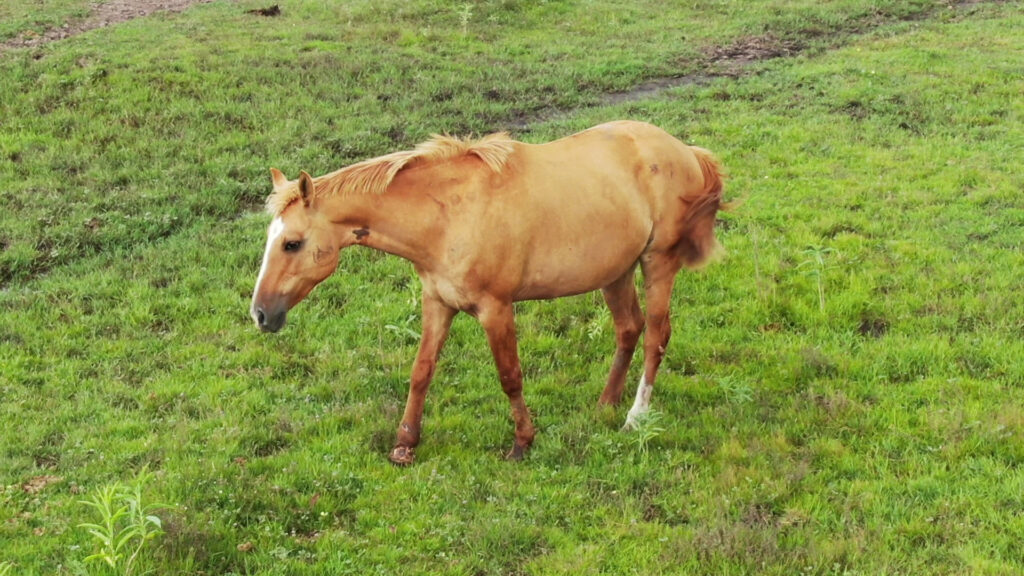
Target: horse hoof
x=516, y=453
x=402, y=456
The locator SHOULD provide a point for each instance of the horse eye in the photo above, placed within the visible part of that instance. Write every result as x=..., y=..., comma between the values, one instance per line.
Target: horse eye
x=292, y=246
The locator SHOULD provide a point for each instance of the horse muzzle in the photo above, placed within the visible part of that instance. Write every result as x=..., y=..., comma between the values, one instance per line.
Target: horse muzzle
x=269, y=320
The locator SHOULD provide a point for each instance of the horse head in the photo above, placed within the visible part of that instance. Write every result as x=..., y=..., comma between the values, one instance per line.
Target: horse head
x=301, y=252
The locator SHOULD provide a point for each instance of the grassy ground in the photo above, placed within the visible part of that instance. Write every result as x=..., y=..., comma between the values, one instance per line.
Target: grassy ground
x=842, y=394
x=112, y=139
x=33, y=17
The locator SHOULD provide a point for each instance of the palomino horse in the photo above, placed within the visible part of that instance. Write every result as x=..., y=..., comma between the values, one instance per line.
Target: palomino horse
x=492, y=221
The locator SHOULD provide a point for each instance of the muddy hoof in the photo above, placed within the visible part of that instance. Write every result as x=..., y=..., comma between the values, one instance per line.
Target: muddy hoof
x=402, y=456
x=516, y=453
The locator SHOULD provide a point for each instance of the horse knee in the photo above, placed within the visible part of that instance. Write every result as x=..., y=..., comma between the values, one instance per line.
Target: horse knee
x=628, y=335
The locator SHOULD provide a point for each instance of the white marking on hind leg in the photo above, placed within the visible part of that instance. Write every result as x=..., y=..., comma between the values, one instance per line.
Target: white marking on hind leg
x=641, y=405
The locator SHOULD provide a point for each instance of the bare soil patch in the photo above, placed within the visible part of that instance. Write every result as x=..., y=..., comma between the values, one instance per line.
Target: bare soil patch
x=730, y=60
x=269, y=11
x=734, y=60
x=101, y=15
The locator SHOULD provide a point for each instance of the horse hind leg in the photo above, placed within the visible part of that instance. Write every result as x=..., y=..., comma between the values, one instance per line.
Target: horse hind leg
x=659, y=277
x=620, y=296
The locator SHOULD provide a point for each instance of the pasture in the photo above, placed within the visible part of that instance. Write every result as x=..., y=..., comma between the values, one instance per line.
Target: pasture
x=843, y=392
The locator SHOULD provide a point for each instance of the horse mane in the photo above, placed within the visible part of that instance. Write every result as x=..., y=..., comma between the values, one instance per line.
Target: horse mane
x=373, y=176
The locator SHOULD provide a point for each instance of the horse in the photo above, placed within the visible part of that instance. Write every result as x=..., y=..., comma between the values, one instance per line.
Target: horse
x=491, y=221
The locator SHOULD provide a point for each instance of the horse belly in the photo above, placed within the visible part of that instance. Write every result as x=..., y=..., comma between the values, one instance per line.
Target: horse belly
x=580, y=252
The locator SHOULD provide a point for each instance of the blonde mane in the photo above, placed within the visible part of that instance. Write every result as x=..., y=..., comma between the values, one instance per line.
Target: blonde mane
x=373, y=176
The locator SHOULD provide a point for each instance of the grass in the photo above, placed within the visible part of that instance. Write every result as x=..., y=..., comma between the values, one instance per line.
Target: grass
x=123, y=140
x=875, y=431
x=33, y=17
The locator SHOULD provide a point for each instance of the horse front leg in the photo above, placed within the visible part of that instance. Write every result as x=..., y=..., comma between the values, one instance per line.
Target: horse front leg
x=437, y=320
x=498, y=321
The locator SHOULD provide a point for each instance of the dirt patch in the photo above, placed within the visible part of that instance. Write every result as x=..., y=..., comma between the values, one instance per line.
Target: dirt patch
x=100, y=16
x=719, y=61
x=653, y=87
x=730, y=60
x=269, y=11
x=39, y=483
x=735, y=60
x=873, y=327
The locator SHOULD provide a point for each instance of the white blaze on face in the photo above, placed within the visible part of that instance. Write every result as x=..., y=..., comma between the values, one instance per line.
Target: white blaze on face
x=273, y=233
x=641, y=405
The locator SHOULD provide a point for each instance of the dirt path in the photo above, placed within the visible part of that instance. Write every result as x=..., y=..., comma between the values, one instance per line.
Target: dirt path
x=101, y=15
x=734, y=60
x=731, y=60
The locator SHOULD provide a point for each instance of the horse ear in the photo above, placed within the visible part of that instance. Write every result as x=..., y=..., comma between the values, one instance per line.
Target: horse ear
x=278, y=178
x=306, y=187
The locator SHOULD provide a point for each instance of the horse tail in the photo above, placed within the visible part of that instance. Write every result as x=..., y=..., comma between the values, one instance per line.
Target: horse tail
x=697, y=243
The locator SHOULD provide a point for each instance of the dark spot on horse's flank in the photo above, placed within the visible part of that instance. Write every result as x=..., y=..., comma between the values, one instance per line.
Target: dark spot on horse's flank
x=654, y=169
x=274, y=10
x=361, y=233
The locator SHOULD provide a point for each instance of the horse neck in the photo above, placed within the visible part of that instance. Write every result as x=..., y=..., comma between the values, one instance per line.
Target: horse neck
x=398, y=222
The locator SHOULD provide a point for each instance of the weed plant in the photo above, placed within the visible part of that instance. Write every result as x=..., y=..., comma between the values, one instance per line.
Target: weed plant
x=126, y=524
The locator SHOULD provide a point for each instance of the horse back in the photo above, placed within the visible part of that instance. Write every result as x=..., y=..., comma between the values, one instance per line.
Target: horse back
x=573, y=215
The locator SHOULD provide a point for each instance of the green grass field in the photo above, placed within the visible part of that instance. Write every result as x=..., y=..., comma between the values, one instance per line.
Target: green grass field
x=843, y=393
x=28, y=18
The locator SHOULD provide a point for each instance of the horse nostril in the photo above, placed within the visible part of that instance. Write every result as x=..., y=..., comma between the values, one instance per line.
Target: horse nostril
x=261, y=318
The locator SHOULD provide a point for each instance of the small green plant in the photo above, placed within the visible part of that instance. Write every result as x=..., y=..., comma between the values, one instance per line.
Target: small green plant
x=405, y=329
x=647, y=428
x=736, y=391
x=126, y=523
x=465, y=15
x=595, y=328
x=5, y=568
x=815, y=266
